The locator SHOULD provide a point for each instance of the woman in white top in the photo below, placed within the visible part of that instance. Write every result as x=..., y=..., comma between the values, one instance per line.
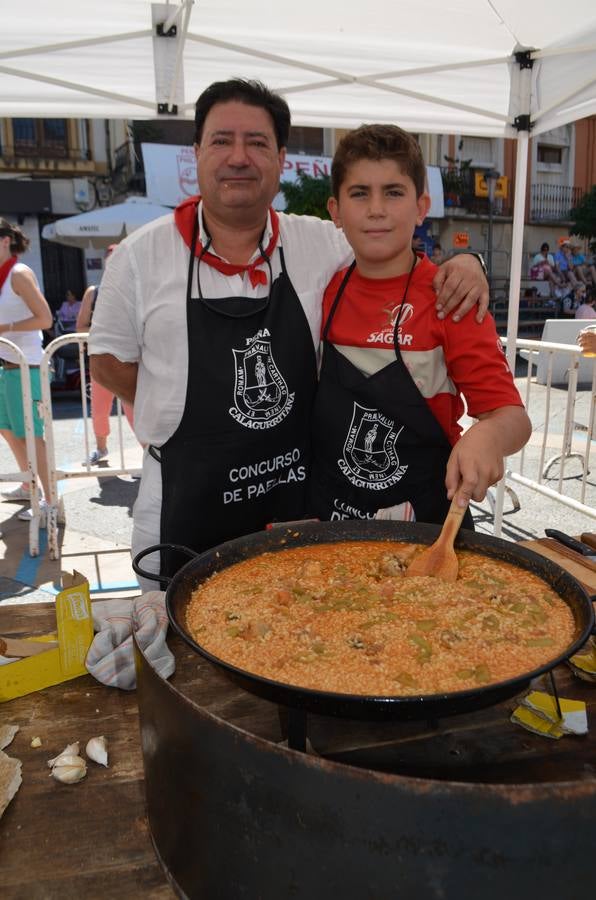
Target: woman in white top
x=543, y=267
x=23, y=313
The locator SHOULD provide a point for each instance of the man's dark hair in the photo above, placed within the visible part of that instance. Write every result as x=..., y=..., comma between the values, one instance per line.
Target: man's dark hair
x=251, y=93
x=378, y=142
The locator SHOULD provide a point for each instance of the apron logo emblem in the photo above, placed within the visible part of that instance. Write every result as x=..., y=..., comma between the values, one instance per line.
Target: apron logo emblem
x=261, y=395
x=370, y=459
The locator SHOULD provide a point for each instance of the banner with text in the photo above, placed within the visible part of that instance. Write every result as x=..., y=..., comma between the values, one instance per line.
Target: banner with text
x=171, y=175
x=171, y=172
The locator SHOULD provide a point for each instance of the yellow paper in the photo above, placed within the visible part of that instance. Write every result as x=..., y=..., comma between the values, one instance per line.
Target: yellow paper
x=586, y=658
x=535, y=723
x=574, y=718
x=74, y=633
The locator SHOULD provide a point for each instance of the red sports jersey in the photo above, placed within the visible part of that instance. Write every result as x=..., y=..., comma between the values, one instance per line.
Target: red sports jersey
x=448, y=360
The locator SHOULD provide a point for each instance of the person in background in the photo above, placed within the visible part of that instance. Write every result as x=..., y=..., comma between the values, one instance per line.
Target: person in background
x=68, y=312
x=564, y=265
x=543, y=268
x=584, y=271
x=572, y=301
x=418, y=245
x=437, y=256
x=209, y=321
x=386, y=438
x=24, y=312
x=586, y=309
x=102, y=399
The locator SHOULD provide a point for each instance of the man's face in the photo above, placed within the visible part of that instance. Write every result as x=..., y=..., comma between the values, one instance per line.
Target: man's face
x=238, y=159
x=378, y=211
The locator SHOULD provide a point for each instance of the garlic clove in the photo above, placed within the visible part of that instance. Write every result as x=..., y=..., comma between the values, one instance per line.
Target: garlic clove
x=69, y=750
x=69, y=769
x=97, y=750
x=36, y=742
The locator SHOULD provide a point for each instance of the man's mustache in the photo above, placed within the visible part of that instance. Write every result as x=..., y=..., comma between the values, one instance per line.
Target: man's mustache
x=240, y=172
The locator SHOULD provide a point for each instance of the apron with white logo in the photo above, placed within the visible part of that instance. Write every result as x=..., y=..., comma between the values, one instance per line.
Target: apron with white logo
x=239, y=457
x=375, y=442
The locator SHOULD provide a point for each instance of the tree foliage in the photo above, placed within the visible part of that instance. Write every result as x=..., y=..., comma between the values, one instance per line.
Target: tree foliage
x=307, y=196
x=584, y=218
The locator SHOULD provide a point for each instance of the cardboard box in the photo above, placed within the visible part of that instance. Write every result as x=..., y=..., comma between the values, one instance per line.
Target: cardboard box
x=74, y=633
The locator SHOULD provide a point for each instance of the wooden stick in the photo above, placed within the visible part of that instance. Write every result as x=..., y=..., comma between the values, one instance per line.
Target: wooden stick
x=19, y=648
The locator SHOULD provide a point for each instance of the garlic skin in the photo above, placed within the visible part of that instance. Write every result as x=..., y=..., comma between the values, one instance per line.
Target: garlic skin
x=69, y=769
x=69, y=750
x=97, y=750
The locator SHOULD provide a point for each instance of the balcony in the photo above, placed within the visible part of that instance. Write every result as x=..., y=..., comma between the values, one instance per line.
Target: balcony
x=459, y=196
x=553, y=202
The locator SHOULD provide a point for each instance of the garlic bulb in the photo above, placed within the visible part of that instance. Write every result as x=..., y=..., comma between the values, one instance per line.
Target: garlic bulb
x=97, y=750
x=69, y=750
x=69, y=768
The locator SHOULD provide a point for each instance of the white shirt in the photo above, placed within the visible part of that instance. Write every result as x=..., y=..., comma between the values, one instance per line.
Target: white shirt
x=14, y=309
x=140, y=315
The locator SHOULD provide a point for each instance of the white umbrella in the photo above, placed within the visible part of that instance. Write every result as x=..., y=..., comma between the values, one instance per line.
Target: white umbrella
x=104, y=226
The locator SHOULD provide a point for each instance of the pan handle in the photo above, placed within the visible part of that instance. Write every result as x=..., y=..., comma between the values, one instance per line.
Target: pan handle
x=157, y=548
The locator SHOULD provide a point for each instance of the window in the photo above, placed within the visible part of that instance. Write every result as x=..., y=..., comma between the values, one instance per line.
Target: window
x=40, y=137
x=478, y=150
x=307, y=140
x=550, y=155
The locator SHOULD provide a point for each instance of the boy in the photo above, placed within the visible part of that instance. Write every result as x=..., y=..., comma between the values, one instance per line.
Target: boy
x=386, y=442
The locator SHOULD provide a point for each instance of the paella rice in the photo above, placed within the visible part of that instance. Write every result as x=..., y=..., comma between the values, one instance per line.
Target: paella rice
x=344, y=617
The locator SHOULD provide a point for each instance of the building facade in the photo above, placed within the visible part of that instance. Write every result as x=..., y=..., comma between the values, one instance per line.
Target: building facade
x=50, y=168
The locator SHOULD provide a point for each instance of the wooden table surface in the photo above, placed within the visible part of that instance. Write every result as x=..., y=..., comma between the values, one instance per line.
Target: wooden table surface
x=92, y=840
x=86, y=840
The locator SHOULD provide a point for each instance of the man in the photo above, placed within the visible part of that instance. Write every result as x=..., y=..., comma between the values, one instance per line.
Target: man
x=217, y=348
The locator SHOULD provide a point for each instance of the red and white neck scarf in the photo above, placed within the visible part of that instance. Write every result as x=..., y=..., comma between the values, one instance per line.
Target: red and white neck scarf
x=5, y=269
x=184, y=217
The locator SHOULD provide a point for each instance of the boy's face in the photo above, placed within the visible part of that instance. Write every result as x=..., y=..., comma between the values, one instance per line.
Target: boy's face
x=378, y=211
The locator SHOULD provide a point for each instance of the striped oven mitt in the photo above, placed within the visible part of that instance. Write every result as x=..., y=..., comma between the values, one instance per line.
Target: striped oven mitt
x=111, y=657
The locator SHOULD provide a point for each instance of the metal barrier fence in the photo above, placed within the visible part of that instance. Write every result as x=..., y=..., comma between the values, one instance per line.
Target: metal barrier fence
x=55, y=514
x=28, y=475
x=571, y=460
x=531, y=474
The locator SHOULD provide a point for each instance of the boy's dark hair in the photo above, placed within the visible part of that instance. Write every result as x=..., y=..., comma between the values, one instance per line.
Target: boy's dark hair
x=378, y=142
x=18, y=241
x=251, y=93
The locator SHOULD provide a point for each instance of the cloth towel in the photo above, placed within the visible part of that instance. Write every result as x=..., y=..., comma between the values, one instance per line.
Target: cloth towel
x=111, y=655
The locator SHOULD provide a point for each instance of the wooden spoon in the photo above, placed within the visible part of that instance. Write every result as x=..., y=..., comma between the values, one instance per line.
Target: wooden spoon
x=439, y=560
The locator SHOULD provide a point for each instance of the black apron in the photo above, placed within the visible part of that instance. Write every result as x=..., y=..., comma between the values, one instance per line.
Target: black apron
x=375, y=442
x=239, y=457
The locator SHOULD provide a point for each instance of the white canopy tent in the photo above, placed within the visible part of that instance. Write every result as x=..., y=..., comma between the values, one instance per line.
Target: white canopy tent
x=434, y=65
x=482, y=67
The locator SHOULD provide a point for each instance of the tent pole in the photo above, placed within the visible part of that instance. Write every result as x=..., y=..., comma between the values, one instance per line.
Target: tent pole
x=522, y=78
x=517, y=238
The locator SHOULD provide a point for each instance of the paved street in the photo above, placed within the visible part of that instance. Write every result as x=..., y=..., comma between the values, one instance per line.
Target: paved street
x=96, y=539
